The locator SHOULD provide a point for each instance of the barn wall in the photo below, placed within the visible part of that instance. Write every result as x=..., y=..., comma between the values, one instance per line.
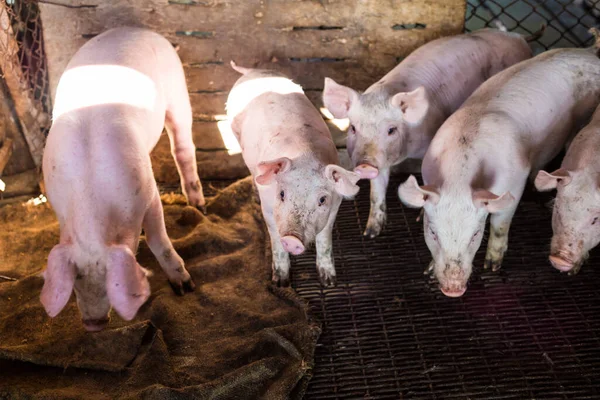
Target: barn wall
x=353, y=42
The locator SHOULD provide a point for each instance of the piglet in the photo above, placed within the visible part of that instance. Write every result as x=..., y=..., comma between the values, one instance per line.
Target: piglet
x=112, y=102
x=480, y=159
x=294, y=162
x=396, y=117
x=576, y=212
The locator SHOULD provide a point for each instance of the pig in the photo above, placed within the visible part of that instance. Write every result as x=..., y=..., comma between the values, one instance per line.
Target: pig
x=117, y=93
x=480, y=159
x=294, y=164
x=396, y=117
x=575, y=214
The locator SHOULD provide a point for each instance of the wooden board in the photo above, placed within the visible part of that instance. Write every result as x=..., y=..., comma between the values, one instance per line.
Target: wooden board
x=353, y=42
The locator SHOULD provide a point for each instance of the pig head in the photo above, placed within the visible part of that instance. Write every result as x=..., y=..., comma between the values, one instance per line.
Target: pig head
x=117, y=281
x=380, y=139
x=575, y=215
x=454, y=222
x=304, y=196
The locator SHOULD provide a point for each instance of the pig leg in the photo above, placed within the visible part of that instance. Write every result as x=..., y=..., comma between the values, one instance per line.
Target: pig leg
x=323, y=242
x=281, y=258
x=179, y=128
x=499, y=227
x=162, y=248
x=377, y=214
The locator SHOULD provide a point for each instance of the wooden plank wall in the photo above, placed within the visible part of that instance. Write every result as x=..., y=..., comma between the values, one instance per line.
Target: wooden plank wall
x=352, y=41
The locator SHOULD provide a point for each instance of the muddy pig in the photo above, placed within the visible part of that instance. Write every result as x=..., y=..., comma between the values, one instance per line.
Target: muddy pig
x=291, y=155
x=395, y=118
x=576, y=212
x=481, y=157
x=112, y=102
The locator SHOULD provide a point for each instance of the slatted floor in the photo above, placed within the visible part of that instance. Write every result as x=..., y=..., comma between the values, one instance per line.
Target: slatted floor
x=526, y=332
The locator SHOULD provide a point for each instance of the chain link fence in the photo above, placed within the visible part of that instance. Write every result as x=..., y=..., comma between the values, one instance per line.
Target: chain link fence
x=24, y=70
x=568, y=21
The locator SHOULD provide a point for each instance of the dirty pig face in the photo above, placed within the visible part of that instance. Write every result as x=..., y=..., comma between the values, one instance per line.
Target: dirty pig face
x=115, y=279
x=575, y=216
x=453, y=233
x=92, y=299
x=454, y=222
x=305, y=196
x=379, y=124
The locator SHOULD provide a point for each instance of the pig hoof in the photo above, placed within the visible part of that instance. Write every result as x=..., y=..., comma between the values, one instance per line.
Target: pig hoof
x=200, y=205
x=180, y=288
x=189, y=285
x=495, y=265
x=197, y=202
x=327, y=279
x=372, y=231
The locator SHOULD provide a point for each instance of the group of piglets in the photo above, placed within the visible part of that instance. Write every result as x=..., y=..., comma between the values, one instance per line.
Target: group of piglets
x=477, y=108
x=484, y=116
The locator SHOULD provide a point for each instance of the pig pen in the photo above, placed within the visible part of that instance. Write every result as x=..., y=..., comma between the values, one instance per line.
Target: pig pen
x=385, y=331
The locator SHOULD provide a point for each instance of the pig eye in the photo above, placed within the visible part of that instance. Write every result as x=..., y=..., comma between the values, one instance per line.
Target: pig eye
x=282, y=195
x=392, y=130
x=352, y=129
x=475, y=235
x=594, y=221
x=322, y=200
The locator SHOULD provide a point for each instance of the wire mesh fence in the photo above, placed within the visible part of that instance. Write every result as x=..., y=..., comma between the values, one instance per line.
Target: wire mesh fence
x=567, y=21
x=24, y=69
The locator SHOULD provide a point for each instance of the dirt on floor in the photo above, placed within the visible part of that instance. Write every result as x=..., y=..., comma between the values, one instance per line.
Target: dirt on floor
x=236, y=336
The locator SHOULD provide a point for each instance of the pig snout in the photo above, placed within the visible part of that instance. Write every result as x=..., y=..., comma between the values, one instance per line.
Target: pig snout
x=292, y=244
x=566, y=261
x=454, y=291
x=366, y=171
x=95, y=325
x=561, y=263
x=453, y=282
x=566, y=253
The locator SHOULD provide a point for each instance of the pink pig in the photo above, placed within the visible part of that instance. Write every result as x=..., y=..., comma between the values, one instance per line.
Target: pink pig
x=396, y=117
x=291, y=155
x=112, y=102
x=479, y=161
x=576, y=213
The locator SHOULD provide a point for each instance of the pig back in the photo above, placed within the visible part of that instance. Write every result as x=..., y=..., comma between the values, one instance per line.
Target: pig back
x=584, y=149
x=452, y=68
x=128, y=67
x=276, y=119
x=522, y=116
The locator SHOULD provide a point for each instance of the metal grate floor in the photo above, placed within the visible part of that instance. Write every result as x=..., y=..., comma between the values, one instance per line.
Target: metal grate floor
x=526, y=332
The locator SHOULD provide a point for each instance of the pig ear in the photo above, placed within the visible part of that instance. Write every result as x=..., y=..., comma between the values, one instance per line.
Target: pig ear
x=127, y=284
x=267, y=170
x=493, y=203
x=337, y=98
x=545, y=181
x=236, y=125
x=414, y=105
x=413, y=195
x=59, y=278
x=343, y=180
